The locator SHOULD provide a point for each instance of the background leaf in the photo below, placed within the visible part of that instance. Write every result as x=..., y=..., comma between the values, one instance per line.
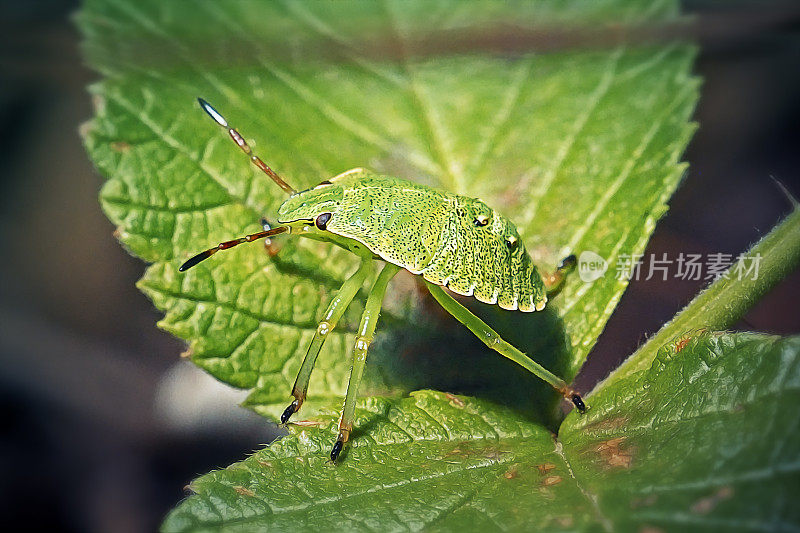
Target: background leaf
x=706, y=438
x=580, y=147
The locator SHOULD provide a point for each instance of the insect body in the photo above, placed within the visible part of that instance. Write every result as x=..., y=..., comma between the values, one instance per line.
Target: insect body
x=451, y=241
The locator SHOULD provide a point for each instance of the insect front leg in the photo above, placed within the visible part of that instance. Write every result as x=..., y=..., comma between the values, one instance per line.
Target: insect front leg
x=269, y=245
x=334, y=312
x=496, y=343
x=554, y=282
x=366, y=332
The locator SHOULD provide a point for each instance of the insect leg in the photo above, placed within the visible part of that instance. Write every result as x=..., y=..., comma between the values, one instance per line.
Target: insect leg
x=366, y=331
x=335, y=310
x=496, y=343
x=269, y=245
x=554, y=282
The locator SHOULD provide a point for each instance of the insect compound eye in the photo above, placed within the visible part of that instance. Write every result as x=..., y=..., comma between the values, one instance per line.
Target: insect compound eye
x=481, y=220
x=512, y=243
x=322, y=220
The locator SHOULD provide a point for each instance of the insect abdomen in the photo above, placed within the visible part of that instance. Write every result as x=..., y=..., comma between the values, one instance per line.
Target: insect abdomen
x=481, y=255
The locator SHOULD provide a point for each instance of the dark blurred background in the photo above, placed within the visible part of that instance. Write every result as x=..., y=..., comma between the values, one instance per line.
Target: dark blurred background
x=102, y=425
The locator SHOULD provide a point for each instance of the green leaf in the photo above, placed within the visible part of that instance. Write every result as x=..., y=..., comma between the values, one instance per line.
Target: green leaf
x=429, y=460
x=579, y=147
x=706, y=438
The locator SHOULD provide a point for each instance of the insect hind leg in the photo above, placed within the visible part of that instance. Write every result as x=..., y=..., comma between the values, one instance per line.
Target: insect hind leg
x=494, y=341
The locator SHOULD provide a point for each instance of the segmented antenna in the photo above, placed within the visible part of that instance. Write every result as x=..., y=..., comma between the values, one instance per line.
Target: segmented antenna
x=202, y=256
x=239, y=140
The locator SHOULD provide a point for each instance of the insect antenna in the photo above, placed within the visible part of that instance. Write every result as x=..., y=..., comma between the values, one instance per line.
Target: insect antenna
x=202, y=256
x=239, y=140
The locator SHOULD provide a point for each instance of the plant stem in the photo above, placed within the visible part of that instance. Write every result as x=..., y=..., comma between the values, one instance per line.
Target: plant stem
x=726, y=300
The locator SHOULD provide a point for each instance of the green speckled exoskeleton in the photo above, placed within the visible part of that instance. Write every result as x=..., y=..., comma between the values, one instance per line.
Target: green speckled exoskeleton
x=451, y=241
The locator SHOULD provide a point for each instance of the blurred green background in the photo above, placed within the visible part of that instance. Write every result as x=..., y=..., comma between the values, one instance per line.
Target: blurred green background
x=103, y=424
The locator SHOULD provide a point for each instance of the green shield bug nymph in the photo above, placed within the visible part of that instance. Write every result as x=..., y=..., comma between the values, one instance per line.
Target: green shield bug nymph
x=451, y=241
